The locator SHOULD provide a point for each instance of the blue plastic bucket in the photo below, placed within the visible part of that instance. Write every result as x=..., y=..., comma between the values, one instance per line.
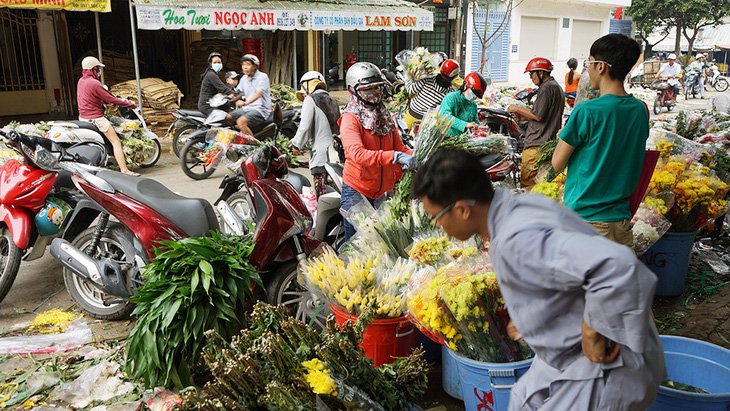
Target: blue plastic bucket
x=450, y=373
x=699, y=364
x=487, y=386
x=669, y=260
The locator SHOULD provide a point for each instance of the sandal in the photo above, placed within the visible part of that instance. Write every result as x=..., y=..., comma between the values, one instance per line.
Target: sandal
x=132, y=174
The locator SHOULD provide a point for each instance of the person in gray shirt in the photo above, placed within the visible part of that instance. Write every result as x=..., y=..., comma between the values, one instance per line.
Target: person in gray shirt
x=318, y=123
x=254, y=108
x=582, y=302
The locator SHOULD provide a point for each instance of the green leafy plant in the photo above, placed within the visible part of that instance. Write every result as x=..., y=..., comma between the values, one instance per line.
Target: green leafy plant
x=194, y=285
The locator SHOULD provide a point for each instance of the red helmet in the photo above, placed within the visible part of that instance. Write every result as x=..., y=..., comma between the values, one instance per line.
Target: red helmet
x=477, y=83
x=539, y=63
x=450, y=68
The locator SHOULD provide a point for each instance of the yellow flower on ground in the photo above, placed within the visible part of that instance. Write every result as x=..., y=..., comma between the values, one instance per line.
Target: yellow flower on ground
x=52, y=321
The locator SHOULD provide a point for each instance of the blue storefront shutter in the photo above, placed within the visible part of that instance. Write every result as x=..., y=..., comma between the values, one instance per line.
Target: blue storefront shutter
x=498, y=53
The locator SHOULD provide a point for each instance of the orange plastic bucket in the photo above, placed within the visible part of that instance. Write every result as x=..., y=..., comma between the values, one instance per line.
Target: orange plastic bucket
x=384, y=339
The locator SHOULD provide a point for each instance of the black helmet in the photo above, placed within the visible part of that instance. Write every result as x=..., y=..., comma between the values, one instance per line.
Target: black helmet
x=214, y=54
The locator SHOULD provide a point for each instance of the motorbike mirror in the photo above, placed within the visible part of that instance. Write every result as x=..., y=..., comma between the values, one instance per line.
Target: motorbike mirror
x=233, y=155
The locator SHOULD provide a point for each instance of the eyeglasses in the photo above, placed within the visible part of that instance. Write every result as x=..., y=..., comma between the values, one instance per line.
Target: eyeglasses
x=587, y=63
x=435, y=219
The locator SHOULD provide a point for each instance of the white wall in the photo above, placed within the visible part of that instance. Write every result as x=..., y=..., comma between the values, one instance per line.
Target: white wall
x=579, y=10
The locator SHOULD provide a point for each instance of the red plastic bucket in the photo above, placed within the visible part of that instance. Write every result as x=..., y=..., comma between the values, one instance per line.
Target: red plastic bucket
x=384, y=339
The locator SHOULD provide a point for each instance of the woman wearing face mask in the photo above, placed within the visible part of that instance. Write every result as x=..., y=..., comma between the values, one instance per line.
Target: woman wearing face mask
x=374, y=151
x=212, y=84
x=460, y=106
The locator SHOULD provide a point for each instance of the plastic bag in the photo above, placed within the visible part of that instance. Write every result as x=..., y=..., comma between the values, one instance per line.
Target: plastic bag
x=418, y=63
x=77, y=334
x=309, y=197
x=99, y=383
x=648, y=227
x=585, y=91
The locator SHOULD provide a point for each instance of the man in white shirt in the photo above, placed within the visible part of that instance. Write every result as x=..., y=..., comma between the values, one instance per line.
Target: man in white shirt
x=255, y=108
x=671, y=71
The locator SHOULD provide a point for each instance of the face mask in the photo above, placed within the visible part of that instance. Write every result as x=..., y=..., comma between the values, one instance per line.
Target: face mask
x=373, y=96
x=469, y=95
x=217, y=67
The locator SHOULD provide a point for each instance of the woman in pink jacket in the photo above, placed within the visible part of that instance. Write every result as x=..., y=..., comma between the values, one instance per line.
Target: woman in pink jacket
x=374, y=151
x=91, y=96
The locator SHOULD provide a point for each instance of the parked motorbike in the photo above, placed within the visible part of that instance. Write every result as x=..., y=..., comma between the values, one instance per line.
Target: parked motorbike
x=715, y=79
x=665, y=97
x=333, y=73
x=34, y=202
x=282, y=222
x=692, y=84
x=70, y=132
x=187, y=121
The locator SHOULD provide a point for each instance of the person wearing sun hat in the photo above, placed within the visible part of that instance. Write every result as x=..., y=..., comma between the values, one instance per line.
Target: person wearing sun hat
x=318, y=122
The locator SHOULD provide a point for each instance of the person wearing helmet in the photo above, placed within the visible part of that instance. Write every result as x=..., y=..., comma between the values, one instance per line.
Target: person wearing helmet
x=430, y=91
x=700, y=65
x=374, y=151
x=671, y=71
x=543, y=121
x=211, y=84
x=318, y=122
x=232, y=78
x=91, y=97
x=254, y=109
x=603, y=142
x=460, y=106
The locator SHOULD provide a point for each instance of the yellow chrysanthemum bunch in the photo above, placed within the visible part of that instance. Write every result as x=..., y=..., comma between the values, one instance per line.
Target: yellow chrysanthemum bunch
x=548, y=189
x=52, y=322
x=318, y=377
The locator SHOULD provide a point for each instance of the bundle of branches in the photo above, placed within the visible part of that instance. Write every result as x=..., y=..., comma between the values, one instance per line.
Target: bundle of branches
x=193, y=285
x=280, y=363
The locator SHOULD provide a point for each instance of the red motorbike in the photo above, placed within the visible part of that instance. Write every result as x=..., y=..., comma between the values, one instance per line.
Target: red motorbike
x=34, y=202
x=264, y=192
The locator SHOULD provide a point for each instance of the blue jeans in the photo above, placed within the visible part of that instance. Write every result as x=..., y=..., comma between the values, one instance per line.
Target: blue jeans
x=349, y=198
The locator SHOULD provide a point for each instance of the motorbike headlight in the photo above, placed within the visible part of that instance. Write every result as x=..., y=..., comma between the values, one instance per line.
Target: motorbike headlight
x=300, y=223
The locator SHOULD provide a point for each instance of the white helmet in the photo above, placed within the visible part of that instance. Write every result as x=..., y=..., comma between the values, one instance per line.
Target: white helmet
x=699, y=55
x=672, y=56
x=308, y=88
x=363, y=73
x=88, y=63
x=250, y=57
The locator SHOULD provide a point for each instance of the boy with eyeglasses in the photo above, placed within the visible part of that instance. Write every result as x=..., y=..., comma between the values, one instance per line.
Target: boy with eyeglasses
x=582, y=302
x=604, y=141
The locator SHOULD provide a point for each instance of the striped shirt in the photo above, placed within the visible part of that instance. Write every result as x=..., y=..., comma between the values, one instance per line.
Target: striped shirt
x=427, y=94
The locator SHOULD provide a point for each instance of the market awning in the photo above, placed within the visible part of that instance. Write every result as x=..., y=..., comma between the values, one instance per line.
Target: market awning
x=70, y=5
x=282, y=15
x=715, y=37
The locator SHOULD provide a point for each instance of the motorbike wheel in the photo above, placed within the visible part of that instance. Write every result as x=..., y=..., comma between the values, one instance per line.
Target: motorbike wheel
x=191, y=164
x=284, y=290
x=657, y=106
x=89, y=298
x=242, y=205
x=154, y=155
x=721, y=85
x=181, y=137
x=9, y=261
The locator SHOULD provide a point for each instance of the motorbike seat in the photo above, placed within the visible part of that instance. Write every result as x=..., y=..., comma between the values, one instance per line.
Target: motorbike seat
x=194, y=216
x=497, y=112
x=86, y=125
x=298, y=181
x=192, y=113
x=90, y=153
x=489, y=160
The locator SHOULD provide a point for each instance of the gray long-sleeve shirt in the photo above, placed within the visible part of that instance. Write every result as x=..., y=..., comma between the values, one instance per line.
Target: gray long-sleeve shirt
x=555, y=272
x=315, y=129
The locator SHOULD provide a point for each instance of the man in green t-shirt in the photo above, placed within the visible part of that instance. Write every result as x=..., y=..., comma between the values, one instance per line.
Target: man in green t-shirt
x=604, y=141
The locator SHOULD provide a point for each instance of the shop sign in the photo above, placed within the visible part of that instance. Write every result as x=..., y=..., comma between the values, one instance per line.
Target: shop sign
x=71, y=5
x=153, y=18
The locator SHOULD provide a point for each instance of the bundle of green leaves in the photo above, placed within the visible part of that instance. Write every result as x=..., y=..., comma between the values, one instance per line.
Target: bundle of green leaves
x=193, y=285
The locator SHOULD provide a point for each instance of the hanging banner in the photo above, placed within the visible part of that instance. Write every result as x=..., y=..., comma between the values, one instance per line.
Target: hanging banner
x=171, y=18
x=70, y=5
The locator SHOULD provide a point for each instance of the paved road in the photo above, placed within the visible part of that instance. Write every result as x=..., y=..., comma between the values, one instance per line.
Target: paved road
x=39, y=285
